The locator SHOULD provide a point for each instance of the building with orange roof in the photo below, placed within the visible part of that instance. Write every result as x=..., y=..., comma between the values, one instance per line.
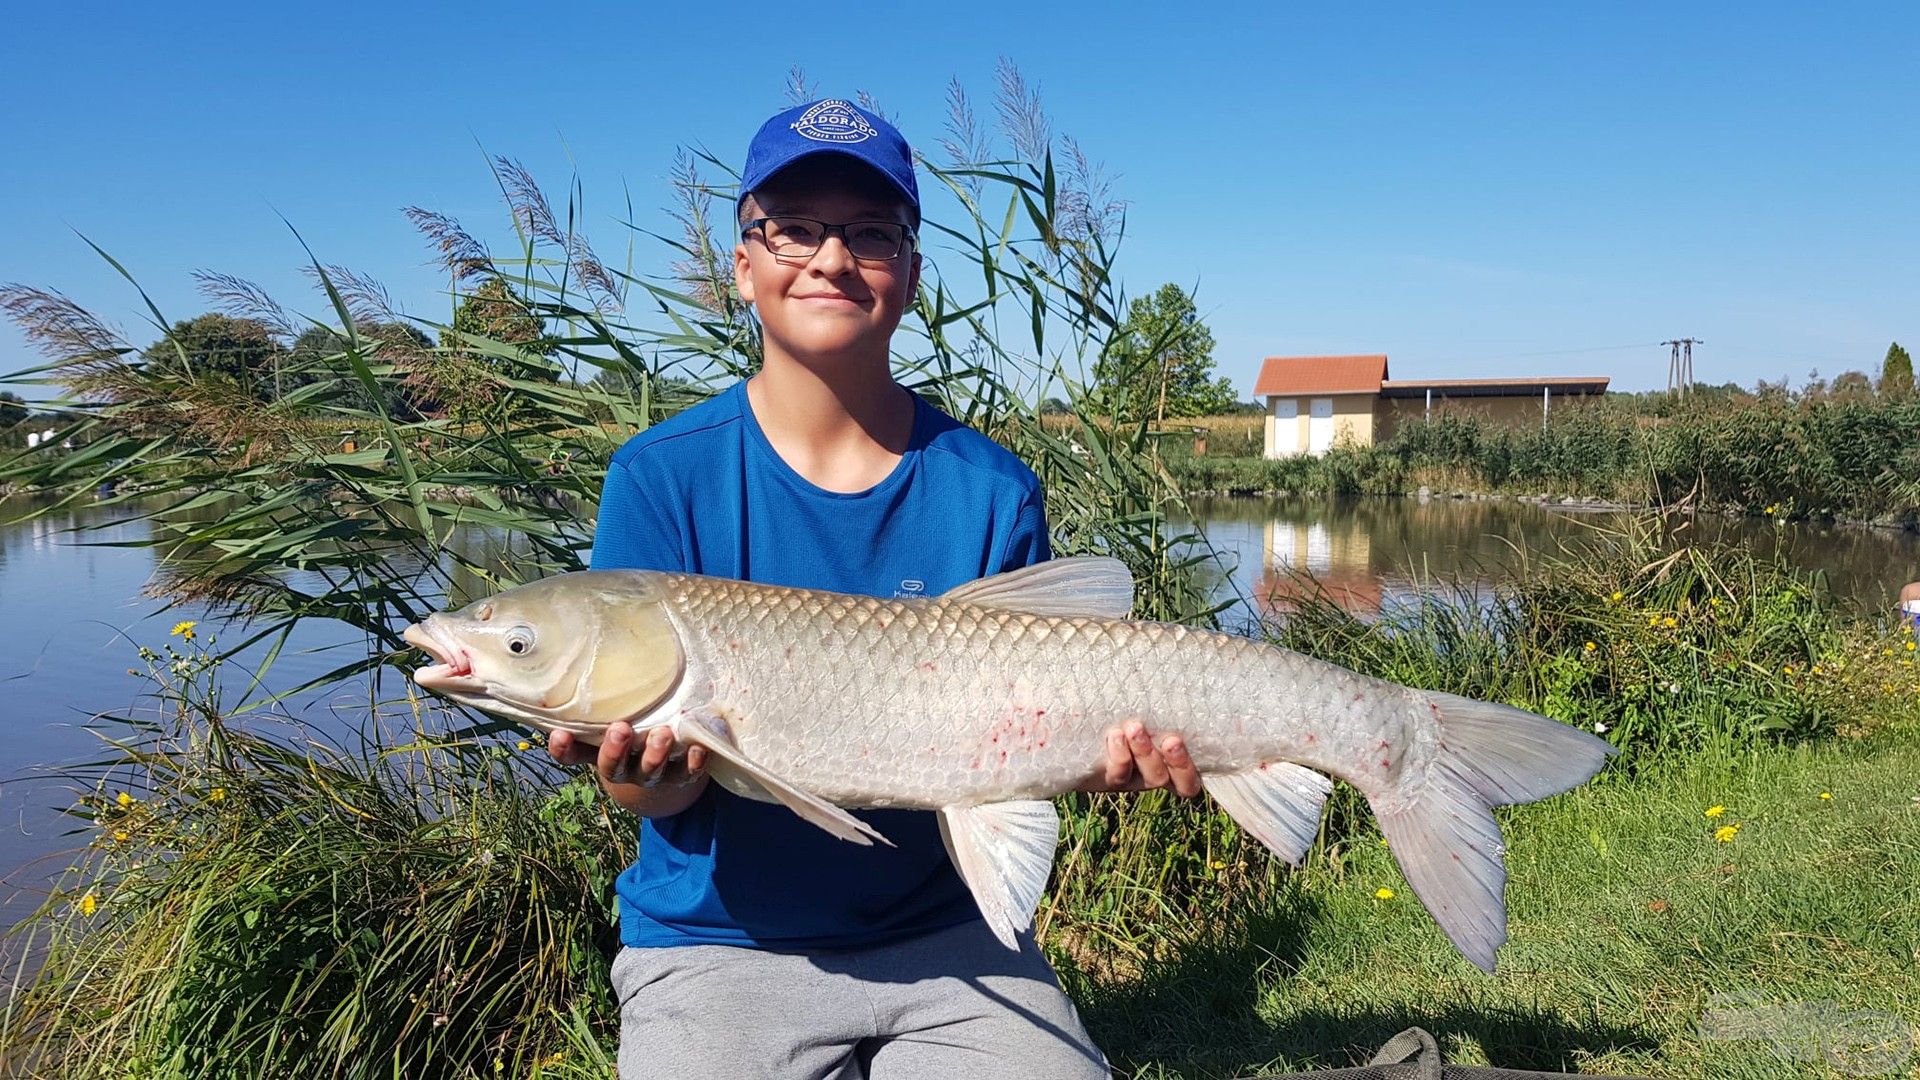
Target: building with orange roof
x=1317, y=402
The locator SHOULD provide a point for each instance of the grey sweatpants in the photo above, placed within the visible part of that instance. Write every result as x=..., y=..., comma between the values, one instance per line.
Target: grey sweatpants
x=953, y=1005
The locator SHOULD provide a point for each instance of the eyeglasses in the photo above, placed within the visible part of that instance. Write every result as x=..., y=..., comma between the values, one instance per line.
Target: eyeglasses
x=798, y=237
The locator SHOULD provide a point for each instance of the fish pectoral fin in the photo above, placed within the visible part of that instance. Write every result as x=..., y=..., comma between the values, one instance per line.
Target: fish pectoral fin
x=1278, y=802
x=809, y=806
x=1004, y=852
x=1091, y=585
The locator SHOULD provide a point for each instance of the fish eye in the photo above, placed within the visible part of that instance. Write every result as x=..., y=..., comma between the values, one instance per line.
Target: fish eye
x=520, y=640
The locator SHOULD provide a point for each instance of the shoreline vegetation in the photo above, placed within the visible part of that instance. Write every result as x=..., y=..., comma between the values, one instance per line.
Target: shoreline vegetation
x=1851, y=458
x=431, y=898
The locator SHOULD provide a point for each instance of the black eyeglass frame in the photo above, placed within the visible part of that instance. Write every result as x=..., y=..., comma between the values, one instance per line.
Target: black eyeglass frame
x=907, y=236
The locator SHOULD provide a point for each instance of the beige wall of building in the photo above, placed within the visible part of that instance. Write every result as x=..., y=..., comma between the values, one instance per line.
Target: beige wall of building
x=1292, y=427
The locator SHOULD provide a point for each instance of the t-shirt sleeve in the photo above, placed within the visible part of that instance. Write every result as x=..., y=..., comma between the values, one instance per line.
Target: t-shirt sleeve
x=1029, y=543
x=633, y=533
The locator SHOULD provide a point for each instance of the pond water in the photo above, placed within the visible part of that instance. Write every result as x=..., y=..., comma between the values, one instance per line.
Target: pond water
x=74, y=613
x=1370, y=553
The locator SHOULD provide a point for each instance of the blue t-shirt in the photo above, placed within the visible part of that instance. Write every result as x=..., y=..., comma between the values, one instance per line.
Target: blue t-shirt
x=706, y=493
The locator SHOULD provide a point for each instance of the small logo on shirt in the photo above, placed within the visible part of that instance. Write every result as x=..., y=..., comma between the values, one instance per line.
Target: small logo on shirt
x=834, y=121
x=910, y=588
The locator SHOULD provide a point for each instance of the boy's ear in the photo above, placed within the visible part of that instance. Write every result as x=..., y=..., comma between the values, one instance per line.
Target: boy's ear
x=743, y=272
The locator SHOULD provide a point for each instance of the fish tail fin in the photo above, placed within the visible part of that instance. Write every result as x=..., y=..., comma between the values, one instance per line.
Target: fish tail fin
x=1443, y=833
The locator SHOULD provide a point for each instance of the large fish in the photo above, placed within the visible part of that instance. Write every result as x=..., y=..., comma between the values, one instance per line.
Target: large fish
x=984, y=702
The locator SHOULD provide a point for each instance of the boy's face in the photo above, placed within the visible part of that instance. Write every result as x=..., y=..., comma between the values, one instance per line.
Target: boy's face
x=827, y=303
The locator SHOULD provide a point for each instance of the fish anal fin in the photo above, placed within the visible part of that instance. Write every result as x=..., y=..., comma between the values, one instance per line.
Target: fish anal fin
x=728, y=759
x=1278, y=802
x=1082, y=585
x=1004, y=852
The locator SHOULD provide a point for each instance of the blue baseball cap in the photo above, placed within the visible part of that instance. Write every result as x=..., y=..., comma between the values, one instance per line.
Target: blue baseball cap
x=831, y=126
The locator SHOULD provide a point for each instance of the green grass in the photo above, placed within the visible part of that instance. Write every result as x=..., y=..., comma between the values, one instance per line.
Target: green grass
x=1626, y=915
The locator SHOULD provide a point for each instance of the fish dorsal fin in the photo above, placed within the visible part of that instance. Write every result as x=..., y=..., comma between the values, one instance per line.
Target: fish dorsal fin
x=1004, y=852
x=1093, y=585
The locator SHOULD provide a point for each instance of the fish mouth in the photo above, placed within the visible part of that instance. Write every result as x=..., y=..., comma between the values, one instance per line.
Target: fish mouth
x=452, y=668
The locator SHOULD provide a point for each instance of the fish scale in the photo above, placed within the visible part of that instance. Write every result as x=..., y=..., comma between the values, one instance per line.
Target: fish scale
x=984, y=702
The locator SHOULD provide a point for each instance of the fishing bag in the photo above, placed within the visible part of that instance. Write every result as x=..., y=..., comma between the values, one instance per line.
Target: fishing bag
x=1413, y=1055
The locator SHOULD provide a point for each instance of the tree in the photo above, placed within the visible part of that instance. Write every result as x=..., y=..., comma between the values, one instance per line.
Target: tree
x=1164, y=365
x=222, y=347
x=466, y=374
x=12, y=409
x=406, y=347
x=1852, y=385
x=1896, y=373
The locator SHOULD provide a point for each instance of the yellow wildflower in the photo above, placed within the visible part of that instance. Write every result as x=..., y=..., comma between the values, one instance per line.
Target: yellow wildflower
x=1383, y=841
x=1787, y=670
x=1669, y=622
x=1653, y=620
x=1725, y=833
x=1590, y=646
x=1713, y=600
x=1816, y=669
x=218, y=794
x=1616, y=597
x=1911, y=646
x=1773, y=509
x=523, y=745
x=124, y=800
x=1383, y=893
x=183, y=629
x=1715, y=811
x=120, y=835
x=1827, y=795
x=89, y=904
x=1218, y=865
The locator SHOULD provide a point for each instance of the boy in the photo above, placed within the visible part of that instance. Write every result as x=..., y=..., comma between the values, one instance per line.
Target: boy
x=754, y=944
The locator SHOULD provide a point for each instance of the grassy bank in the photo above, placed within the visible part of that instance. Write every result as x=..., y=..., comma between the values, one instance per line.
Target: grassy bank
x=1798, y=456
x=1628, y=919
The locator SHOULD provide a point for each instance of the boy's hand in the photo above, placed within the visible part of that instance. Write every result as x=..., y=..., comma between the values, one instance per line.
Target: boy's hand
x=637, y=770
x=1134, y=763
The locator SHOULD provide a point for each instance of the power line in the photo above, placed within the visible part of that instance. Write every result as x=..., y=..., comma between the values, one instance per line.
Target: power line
x=1549, y=352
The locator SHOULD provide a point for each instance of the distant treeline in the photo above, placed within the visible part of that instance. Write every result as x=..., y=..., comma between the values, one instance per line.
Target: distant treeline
x=1825, y=454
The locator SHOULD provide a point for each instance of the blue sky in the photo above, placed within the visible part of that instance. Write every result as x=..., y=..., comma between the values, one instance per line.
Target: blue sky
x=1476, y=190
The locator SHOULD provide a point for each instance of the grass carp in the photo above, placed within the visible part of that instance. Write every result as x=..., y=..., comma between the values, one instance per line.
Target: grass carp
x=984, y=702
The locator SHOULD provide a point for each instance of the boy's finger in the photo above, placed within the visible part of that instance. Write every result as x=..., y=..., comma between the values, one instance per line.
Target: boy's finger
x=560, y=747
x=1153, y=770
x=614, y=750
x=659, y=747
x=696, y=759
x=1119, y=760
x=1186, y=778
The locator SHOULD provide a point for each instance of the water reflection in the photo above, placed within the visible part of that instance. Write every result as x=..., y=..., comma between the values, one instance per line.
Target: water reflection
x=1373, y=553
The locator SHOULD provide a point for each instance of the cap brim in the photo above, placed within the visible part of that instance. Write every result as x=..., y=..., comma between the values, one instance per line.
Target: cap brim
x=908, y=197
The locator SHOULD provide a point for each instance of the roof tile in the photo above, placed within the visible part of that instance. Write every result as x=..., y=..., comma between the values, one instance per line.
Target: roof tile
x=1282, y=375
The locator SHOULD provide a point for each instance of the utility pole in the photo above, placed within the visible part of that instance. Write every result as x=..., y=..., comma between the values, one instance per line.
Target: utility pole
x=1680, y=368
